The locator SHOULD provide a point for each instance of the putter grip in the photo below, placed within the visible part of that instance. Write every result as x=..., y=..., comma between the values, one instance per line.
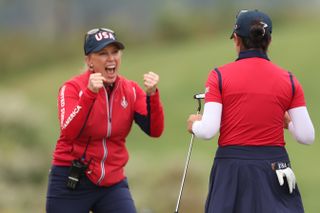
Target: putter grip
x=199, y=96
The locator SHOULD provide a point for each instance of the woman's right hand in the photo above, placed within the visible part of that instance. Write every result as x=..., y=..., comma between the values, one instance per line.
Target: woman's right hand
x=95, y=82
x=192, y=118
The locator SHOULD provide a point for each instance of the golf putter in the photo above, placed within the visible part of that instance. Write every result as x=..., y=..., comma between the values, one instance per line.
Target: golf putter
x=198, y=97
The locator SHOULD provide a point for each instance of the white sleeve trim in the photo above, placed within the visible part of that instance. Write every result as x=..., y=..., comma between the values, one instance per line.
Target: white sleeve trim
x=301, y=126
x=210, y=122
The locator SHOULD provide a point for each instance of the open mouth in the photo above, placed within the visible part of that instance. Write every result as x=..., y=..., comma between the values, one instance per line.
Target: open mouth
x=110, y=69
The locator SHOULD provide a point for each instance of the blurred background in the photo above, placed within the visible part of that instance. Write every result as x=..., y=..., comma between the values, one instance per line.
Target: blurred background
x=41, y=46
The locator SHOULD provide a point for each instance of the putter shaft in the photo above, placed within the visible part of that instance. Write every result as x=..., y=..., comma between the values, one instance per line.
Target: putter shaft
x=186, y=166
x=185, y=172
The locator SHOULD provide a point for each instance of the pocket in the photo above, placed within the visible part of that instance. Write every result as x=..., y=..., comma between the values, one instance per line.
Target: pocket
x=281, y=191
x=57, y=181
x=60, y=171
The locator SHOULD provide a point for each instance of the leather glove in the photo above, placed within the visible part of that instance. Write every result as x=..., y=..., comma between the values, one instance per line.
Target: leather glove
x=290, y=177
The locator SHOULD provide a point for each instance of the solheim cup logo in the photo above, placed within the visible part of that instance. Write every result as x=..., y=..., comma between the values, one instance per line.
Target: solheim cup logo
x=124, y=102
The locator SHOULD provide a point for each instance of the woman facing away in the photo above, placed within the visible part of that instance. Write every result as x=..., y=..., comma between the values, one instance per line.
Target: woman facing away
x=251, y=101
x=96, y=112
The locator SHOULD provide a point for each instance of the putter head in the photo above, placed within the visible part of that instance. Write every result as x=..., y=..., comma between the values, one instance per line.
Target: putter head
x=199, y=96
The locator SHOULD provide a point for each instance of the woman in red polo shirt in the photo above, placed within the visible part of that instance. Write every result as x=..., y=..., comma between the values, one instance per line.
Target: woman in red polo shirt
x=250, y=101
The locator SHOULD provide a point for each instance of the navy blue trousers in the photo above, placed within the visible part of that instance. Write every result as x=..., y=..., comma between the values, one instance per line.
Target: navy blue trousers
x=87, y=196
x=242, y=181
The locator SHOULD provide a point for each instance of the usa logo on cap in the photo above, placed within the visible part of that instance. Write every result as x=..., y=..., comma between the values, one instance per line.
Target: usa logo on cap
x=104, y=35
x=98, y=38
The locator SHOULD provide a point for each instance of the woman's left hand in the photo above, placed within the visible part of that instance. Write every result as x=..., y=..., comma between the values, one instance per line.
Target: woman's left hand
x=151, y=81
x=286, y=120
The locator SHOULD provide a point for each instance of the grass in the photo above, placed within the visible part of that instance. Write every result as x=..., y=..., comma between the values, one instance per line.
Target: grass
x=156, y=165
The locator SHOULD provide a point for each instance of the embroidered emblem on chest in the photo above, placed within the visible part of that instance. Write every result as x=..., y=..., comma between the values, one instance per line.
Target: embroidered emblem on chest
x=124, y=102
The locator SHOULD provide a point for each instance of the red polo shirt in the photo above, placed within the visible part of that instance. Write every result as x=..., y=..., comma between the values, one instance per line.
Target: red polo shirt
x=255, y=93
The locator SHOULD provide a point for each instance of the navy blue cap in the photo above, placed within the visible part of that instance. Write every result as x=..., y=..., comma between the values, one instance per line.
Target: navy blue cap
x=246, y=18
x=99, y=38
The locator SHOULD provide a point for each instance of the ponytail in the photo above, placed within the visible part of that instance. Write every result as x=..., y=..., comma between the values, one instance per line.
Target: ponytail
x=259, y=37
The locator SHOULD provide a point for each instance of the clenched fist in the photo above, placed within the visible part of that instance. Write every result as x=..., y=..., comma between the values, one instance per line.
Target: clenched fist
x=95, y=82
x=151, y=81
